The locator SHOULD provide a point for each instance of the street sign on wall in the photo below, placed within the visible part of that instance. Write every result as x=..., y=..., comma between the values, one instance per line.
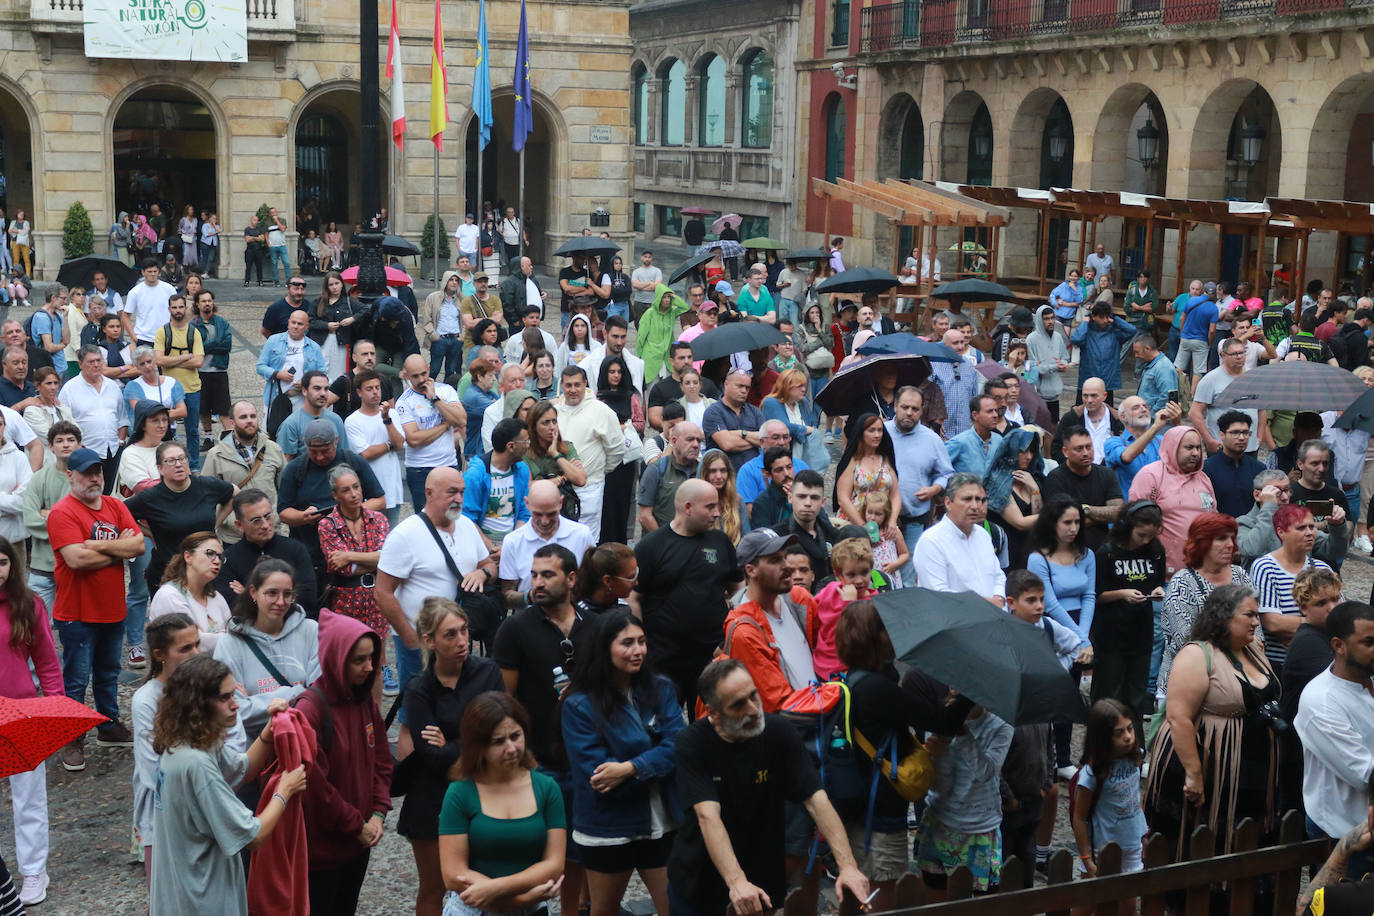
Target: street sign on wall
x=200, y=30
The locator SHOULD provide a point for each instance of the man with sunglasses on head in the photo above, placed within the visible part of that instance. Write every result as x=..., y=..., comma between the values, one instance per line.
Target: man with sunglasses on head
x=255, y=519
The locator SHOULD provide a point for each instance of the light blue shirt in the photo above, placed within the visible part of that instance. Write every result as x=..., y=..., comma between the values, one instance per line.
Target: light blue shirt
x=968, y=453
x=1116, y=446
x=1068, y=589
x=1156, y=381
x=292, y=430
x=922, y=460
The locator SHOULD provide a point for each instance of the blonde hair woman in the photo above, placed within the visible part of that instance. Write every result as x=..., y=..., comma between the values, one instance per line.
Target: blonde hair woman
x=717, y=470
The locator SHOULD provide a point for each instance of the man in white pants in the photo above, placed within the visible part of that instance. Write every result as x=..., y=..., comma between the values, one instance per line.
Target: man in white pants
x=593, y=429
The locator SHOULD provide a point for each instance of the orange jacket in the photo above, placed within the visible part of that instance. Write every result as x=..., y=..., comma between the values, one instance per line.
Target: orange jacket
x=749, y=638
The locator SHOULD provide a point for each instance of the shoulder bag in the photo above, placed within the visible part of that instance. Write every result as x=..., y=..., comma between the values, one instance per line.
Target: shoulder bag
x=485, y=609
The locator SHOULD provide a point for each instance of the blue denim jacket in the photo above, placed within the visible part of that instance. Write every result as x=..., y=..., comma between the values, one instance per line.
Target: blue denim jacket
x=645, y=736
x=273, y=356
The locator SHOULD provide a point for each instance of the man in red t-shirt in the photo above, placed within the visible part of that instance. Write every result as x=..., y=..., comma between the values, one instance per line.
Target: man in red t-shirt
x=91, y=535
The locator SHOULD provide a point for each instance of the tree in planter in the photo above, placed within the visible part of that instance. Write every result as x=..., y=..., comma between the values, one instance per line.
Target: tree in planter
x=78, y=238
x=264, y=215
x=427, y=241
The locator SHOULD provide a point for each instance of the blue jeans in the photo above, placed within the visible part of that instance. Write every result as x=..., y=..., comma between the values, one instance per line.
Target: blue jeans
x=192, y=424
x=137, y=616
x=415, y=483
x=278, y=253
x=1357, y=866
x=1157, y=649
x=788, y=310
x=90, y=653
x=1171, y=347
x=911, y=532
x=409, y=662
x=445, y=349
x=618, y=308
x=43, y=585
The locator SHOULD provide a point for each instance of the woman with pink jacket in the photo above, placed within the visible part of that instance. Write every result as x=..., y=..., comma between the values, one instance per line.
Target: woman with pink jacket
x=26, y=635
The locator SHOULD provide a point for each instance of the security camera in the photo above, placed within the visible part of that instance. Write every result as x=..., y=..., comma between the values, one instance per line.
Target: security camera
x=837, y=68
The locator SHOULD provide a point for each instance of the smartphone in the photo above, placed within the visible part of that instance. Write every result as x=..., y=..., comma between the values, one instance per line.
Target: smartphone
x=1173, y=396
x=1321, y=508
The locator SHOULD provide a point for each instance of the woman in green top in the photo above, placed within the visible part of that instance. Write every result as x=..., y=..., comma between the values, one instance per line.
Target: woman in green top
x=502, y=831
x=549, y=457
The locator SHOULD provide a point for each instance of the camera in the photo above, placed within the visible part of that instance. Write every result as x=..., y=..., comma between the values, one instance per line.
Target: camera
x=1272, y=717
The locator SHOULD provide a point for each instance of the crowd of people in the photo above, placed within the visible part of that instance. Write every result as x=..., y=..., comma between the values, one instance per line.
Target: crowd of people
x=607, y=540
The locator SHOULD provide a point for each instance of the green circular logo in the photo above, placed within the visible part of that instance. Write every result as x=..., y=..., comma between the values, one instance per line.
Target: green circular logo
x=194, y=14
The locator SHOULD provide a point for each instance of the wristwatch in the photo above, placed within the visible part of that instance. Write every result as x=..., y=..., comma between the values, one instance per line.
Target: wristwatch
x=434, y=400
x=386, y=421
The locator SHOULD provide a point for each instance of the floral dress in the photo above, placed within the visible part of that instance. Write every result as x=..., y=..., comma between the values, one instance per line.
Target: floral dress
x=354, y=592
x=878, y=482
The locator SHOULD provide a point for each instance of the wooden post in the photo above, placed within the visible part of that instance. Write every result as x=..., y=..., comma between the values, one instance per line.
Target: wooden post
x=992, y=254
x=1336, y=266
x=1259, y=289
x=1221, y=248
x=1082, y=245
x=1094, y=238
x=1149, y=249
x=1182, y=256
x=1043, y=267
x=1300, y=280
x=825, y=227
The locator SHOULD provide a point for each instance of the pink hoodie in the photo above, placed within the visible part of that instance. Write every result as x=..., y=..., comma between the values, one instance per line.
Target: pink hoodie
x=15, y=680
x=1181, y=497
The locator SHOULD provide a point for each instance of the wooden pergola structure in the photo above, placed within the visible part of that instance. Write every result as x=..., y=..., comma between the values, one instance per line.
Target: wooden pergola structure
x=919, y=206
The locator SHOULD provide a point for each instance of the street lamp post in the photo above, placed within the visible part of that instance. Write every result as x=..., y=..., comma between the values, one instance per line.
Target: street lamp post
x=371, y=268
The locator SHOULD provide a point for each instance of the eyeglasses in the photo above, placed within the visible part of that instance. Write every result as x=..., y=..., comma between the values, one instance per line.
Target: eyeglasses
x=271, y=593
x=213, y=555
x=262, y=519
x=174, y=461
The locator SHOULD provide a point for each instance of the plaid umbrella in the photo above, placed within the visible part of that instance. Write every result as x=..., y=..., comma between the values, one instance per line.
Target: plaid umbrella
x=1297, y=385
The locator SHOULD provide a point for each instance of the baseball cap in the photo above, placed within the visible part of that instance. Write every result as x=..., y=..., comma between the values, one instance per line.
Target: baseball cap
x=1209, y=288
x=469, y=216
x=761, y=542
x=318, y=432
x=708, y=306
x=82, y=460
x=724, y=288
x=480, y=275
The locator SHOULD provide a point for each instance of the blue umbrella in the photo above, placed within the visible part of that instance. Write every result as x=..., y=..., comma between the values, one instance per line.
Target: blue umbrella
x=903, y=342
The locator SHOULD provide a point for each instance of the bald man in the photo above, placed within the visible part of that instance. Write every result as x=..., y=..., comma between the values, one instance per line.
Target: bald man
x=547, y=526
x=433, y=422
x=659, y=484
x=686, y=568
x=413, y=566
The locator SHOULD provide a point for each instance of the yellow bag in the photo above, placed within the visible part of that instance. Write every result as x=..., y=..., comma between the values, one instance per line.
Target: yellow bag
x=911, y=775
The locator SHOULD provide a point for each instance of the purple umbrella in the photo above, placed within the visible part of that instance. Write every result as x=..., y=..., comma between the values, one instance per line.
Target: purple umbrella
x=1032, y=404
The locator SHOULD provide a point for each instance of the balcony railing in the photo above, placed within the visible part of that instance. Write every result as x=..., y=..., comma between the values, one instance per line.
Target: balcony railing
x=908, y=24
x=263, y=15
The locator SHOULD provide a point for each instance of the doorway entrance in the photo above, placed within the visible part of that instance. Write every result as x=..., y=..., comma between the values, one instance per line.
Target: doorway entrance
x=164, y=152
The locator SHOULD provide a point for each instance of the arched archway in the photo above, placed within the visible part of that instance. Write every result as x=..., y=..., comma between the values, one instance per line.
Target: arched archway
x=901, y=139
x=16, y=153
x=325, y=135
x=165, y=145
x=1117, y=145
x=711, y=101
x=957, y=157
x=756, y=99
x=1032, y=147
x=1217, y=167
x=639, y=103
x=1338, y=168
x=672, y=93
x=546, y=213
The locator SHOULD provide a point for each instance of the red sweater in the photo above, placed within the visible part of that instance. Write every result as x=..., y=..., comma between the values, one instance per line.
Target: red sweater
x=352, y=777
x=278, y=884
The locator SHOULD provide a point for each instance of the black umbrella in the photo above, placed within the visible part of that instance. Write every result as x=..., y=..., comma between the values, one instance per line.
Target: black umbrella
x=853, y=384
x=1297, y=385
x=690, y=265
x=1360, y=414
x=586, y=244
x=858, y=280
x=904, y=342
x=999, y=661
x=805, y=254
x=973, y=291
x=78, y=272
x=734, y=338
x=394, y=244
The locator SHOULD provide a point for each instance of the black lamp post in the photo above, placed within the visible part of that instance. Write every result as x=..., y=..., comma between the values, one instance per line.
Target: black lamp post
x=371, y=267
x=1147, y=140
x=1251, y=142
x=982, y=143
x=1059, y=142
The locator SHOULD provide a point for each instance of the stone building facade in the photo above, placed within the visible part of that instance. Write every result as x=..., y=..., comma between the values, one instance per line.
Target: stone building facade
x=1248, y=99
x=714, y=94
x=283, y=127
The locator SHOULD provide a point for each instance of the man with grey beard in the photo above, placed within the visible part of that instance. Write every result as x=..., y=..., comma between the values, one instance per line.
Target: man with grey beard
x=420, y=557
x=1138, y=443
x=737, y=770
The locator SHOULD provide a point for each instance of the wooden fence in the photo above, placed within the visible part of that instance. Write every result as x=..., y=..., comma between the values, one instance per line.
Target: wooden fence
x=1115, y=894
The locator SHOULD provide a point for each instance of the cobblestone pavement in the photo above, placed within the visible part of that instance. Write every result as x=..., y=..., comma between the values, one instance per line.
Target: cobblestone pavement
x=91, y=865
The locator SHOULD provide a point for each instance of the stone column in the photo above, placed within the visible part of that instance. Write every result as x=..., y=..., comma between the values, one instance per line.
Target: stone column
x=732, y=104
x=652, y=104
x=691, y=106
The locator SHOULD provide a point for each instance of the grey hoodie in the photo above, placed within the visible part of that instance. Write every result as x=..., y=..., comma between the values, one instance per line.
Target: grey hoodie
x=1043, y=349
x=295, y=652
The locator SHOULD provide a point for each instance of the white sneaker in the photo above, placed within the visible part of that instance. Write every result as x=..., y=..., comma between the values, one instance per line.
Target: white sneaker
x=1362, y=544
x=1066, y=772
x=35, y=889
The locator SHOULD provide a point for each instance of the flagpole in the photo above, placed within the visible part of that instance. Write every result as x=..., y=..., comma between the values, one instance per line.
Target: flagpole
x=437, y=272
x=523, y=230
x=480, y=210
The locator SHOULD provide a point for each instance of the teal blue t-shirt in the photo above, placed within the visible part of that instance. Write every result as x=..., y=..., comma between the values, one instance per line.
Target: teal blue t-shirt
x=498, y=847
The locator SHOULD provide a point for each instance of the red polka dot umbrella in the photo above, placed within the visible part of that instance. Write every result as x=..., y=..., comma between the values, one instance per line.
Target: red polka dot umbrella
x=32, y=730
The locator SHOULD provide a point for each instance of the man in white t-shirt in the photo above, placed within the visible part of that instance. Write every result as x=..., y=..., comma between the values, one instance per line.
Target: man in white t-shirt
x=595, y=432
x=145, y=308
x=276, y=245
x=469, y=238
x=547, y=526
x=377, y=439
x=1257, y=346
x=512, y=233
x=429, y=413
x=413, y=566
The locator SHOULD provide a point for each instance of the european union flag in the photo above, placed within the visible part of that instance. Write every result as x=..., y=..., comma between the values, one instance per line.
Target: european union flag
x=481, y=82
x=524, y=105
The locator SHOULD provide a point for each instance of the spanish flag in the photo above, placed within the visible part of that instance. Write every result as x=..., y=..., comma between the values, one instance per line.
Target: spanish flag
x=438, y=82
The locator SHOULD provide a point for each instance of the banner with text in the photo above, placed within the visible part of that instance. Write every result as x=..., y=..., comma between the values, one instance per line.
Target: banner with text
x=202, y=30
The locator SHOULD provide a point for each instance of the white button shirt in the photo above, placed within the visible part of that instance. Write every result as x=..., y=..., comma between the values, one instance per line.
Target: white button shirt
x=1335, y=721
x=947, y=560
